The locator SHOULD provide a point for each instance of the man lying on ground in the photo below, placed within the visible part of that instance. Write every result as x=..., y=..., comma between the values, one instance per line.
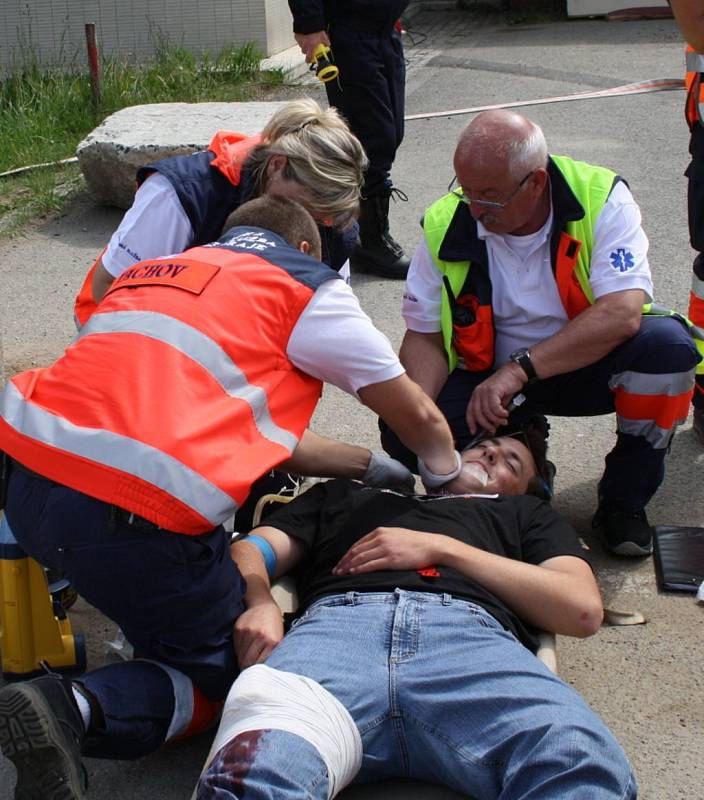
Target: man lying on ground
x=413, y=651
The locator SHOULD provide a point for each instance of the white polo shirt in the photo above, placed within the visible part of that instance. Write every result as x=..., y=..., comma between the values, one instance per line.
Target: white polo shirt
x=336, y=342
x=525, y=300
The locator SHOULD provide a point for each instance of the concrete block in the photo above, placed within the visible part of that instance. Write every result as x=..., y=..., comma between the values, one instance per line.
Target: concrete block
x=110, y=156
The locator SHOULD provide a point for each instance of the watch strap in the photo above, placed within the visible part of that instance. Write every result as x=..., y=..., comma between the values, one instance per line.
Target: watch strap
x=523, y=359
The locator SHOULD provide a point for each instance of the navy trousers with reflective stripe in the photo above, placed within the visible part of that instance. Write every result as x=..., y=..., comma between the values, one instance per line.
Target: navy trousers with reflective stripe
x=174, y=596
x=634, y=468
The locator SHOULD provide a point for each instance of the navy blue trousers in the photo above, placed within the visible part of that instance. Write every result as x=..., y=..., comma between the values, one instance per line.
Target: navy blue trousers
x=174, y=596
x=369, y=93
x=634, y=468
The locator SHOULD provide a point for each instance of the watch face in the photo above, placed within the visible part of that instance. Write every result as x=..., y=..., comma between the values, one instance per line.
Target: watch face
x=518, y=353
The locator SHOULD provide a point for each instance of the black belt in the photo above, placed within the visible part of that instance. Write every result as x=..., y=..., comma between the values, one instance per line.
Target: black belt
x=117, y=514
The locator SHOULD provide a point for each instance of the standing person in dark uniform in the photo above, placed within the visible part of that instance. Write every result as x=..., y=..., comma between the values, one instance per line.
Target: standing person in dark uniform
x=369, y=92
x=690, y=18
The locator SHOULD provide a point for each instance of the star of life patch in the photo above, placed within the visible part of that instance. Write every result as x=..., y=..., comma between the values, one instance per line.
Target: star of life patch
x=622, y=259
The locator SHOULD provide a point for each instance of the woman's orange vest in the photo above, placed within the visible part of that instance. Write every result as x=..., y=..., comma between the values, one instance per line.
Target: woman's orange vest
x=230, y=151
x=178, y=393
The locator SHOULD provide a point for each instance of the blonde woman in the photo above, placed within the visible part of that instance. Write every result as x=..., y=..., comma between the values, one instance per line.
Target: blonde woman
x=305, y=153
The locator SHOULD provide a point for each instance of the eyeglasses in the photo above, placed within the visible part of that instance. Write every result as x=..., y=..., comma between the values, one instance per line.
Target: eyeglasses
x=470, y=201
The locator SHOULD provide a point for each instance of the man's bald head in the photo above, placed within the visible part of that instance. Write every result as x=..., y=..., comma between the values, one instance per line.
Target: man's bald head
x=504, y=140
x=501, y=168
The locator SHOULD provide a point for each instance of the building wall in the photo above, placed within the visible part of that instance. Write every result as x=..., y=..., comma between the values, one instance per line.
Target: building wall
x=279, y=25
x=53, y=30
x=586, y=8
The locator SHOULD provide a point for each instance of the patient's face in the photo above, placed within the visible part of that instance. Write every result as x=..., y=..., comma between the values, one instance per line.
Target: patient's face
x=503, y=465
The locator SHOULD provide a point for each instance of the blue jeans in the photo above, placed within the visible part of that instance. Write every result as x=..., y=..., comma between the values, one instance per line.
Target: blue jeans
x=440, y=692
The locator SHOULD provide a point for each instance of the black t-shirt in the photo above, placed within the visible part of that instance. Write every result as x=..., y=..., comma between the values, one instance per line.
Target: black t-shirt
x=330, y=517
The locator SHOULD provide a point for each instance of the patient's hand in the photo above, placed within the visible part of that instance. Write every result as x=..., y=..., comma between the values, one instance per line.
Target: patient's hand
x=390, y=548
x=257, y=632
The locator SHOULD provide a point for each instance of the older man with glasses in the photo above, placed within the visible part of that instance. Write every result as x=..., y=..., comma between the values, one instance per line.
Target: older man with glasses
x=533, y=277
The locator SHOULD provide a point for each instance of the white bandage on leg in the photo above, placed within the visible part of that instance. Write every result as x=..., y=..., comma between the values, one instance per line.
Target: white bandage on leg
x=263, y=698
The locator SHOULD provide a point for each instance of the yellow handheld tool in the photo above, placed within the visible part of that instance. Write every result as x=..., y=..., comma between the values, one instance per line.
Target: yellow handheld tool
x=325, y=70
x=33, y=627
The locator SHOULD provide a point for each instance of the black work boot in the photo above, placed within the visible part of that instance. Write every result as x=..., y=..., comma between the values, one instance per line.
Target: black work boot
x=377, y=251
x=626, y=533
x=41, y=732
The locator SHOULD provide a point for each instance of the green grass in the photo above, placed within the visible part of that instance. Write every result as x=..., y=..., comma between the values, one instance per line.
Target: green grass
x=45, y=112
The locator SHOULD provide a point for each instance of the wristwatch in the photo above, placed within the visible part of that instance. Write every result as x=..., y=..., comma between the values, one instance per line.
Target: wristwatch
x=522, y=358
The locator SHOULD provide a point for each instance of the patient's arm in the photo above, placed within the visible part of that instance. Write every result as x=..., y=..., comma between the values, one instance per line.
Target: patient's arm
x=560, y=595
x=260, y=628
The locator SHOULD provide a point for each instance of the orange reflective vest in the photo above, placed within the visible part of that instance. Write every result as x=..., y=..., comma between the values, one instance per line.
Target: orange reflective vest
x=226, y=155
x=694, y=105
x=178, y=393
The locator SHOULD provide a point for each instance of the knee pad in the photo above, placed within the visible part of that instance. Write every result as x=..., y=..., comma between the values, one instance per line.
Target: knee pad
x=263, y=698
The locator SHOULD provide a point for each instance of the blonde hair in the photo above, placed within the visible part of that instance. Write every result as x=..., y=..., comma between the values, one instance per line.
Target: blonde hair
x=322, y=155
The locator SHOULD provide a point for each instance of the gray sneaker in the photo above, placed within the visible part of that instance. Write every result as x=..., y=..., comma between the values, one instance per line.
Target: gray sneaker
x=41, y=732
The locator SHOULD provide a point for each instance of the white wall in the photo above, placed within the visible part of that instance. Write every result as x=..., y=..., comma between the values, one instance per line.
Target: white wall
x=585, y=8
x=54, y=29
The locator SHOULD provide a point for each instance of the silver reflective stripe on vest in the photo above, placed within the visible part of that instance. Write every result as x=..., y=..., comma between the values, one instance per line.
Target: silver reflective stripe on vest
x=697, y=287
x=695, y=62
x=201, y=349
x=119, y=452
x=672, y=384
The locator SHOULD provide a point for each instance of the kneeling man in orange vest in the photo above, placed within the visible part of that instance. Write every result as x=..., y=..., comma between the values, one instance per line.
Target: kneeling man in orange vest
x=197, y=374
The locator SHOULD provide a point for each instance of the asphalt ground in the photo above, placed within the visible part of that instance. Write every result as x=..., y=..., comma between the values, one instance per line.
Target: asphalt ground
x=646, y=681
